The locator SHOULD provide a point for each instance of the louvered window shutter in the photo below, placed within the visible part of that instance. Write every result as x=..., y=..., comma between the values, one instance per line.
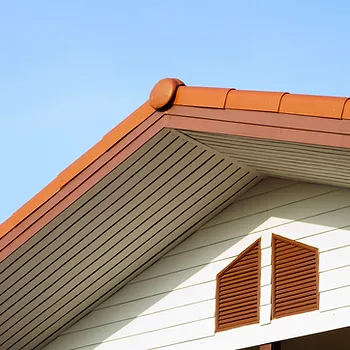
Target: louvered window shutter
x=294, y=277
x=238, y=290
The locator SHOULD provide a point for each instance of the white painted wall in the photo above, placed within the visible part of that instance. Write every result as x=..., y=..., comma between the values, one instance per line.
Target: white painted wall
x=171, y=305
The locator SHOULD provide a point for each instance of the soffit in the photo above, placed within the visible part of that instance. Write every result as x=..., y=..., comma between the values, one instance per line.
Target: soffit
x=144, y=207
x=290, y=160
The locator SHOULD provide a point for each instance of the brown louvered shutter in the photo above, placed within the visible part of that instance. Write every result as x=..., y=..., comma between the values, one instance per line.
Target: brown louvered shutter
x=238, y=290
x=294, y=277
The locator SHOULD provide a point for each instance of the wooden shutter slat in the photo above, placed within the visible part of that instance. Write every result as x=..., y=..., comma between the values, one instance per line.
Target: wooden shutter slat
x=250, y=254
x=233, y=297
x=300, y=309
x=237, y=298
x=244, y=271
x=304, y=302
x=238, y=294
x=286, y=250
x=239, y=314
x=296, y=283
x=302, y=262
x=282, y=244
x=293, y=297
x=241, y=277
x=296, y=271
x=296, y=289
x=249, y=307
x=240, y=289
x=239, y=283
x=292, y=256
x=297, y=268
x=294, y=277
x=238, y=323
x=238, y=303
x=228, y=305
x=248, y=263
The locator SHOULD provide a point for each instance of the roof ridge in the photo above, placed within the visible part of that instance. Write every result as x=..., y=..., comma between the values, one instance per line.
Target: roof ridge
x=172, y=91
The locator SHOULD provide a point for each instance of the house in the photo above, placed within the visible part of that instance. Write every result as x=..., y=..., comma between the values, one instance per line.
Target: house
x=208, y=219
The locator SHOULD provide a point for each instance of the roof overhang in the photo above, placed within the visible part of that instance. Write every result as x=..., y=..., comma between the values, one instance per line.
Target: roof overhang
x=162, y=173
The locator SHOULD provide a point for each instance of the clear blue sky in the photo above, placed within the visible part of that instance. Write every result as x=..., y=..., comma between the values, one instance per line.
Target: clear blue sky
x=70, y=70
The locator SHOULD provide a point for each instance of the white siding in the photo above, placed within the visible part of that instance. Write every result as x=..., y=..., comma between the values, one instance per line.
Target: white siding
x=171, y=305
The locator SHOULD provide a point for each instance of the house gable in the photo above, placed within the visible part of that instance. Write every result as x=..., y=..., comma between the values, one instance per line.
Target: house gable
x=172, y=303
x=174, y=164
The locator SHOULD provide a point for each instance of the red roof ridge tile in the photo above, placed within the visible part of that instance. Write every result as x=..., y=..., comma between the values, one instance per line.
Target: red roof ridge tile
x=163, y=92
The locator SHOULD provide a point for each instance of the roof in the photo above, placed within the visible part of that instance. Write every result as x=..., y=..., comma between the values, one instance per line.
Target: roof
x=223, y=141
x=174, y=91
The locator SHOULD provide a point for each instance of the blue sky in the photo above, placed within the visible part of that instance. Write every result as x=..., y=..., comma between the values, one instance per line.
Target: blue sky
x=70, y=70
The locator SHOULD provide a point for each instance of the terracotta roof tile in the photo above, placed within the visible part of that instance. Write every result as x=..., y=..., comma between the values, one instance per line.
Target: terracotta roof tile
x=163, y=92
x=316, y=106
x=201, y=97
x=346, y=111
x=254, y=100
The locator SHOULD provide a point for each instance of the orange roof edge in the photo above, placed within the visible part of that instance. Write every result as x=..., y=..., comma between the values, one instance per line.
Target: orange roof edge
x=112, y=137
x=170, y=91
x=161, y=95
